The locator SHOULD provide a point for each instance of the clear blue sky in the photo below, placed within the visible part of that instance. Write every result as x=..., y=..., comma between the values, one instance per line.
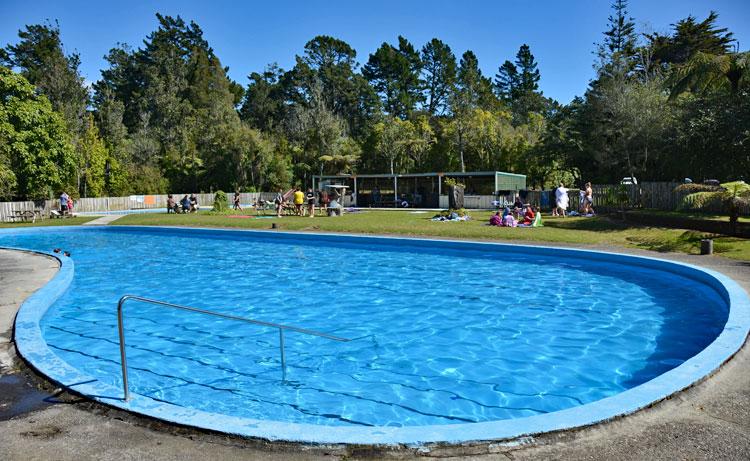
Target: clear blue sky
x=247, y=35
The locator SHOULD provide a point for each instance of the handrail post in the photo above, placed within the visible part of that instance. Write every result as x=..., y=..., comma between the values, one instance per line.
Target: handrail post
x=123, y=359
x=283, y=355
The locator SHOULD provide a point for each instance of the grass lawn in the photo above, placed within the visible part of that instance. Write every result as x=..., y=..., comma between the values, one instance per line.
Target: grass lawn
x=50, y=222
x=599, y=230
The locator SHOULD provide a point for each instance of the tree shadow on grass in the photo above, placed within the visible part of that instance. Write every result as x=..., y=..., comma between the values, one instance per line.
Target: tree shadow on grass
x=596, y=224
x=687, y=242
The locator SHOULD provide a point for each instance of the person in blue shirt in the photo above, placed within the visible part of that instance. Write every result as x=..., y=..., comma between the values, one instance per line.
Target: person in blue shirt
x=185, y=202
x=64, y=202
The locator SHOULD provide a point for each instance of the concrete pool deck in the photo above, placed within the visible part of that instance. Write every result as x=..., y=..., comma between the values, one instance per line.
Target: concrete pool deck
x=710, y=420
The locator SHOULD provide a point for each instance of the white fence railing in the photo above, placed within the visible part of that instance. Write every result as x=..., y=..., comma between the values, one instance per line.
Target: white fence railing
x=106, y=204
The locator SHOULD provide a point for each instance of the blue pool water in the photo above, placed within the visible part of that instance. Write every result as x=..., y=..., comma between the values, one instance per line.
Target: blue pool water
x=439, y=335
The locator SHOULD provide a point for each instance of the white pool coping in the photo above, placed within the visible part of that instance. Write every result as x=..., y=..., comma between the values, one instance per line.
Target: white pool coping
x=34, y=349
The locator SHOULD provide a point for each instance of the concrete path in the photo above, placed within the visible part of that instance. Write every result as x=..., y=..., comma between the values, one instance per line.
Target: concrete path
x=104, y=220
x=708, y=421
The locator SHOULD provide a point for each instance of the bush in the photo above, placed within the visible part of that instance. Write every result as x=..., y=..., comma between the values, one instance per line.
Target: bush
x=221, y=202
x=452, y=182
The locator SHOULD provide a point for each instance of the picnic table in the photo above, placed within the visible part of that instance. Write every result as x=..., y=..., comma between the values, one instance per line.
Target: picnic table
x=24, y=216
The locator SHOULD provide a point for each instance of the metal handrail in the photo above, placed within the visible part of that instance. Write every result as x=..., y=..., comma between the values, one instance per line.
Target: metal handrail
x=281, y=328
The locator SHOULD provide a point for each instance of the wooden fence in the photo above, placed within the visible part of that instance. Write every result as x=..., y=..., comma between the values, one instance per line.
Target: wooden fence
x=609, y=197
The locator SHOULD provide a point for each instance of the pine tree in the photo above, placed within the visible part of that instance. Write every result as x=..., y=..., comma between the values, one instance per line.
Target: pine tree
x=507, y=81
x=439, y=74
x=620, y=37
x=41, y=59
x=394, y=73
x=690, y=37
x=618, y=52
x=528, y=74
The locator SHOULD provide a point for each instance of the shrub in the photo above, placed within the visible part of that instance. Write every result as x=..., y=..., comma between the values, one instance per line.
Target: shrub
x=221, y=203
x=452, y=182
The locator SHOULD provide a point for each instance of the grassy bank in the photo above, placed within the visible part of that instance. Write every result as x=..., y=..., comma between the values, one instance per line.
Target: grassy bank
x=599, y=230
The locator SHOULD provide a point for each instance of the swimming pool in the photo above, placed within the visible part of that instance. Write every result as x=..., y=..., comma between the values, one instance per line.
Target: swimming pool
x=450, y=341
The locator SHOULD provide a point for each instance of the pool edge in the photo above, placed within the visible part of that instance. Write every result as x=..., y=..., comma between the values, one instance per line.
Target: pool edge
x=694, y=370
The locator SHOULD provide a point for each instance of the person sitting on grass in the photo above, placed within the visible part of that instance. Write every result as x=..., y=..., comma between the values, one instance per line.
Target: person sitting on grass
x=496, y=219
x=509, y=220
x=528, y=217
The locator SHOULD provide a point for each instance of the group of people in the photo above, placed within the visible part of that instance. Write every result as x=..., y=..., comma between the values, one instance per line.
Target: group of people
x=562, y=201
x=305, y=202
x=525, y=215
x=186, y=204
x=518, y=217
x=66, y=203
x=586, y=201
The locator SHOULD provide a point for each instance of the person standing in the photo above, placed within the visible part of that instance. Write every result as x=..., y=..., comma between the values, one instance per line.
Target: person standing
x=310, y=196
x=64, y=202
x=237, y=201
x=323, y=200
x=279, y=202
x=588, y=200
x=561, y=201
x=299, y=199
x=376, y=196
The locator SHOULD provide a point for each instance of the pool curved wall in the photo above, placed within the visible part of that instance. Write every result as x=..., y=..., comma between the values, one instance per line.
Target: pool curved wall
x=34, y=349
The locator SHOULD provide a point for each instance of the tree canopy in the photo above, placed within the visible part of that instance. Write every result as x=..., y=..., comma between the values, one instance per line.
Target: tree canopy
x=165, y=116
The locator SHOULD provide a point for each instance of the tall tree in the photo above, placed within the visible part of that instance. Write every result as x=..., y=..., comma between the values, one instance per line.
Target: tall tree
x=690, y=37
x=618, y=52
x=263, y=105
x=518, y=85
x=40, y=57
x=176, y=98
x=528, y=74
x=92, y=161
x=331, y=62
x=317, y=130
x=476, y=87
x=394, y=73
x=35, y=150
x=439, y=75
x=393, y=139
x=507, y=81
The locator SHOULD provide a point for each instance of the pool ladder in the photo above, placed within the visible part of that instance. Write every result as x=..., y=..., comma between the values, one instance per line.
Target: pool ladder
x=280, y=327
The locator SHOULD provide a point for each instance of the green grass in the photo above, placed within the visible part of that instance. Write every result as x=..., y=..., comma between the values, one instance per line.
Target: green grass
x=599, y=230
x=51, y=222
